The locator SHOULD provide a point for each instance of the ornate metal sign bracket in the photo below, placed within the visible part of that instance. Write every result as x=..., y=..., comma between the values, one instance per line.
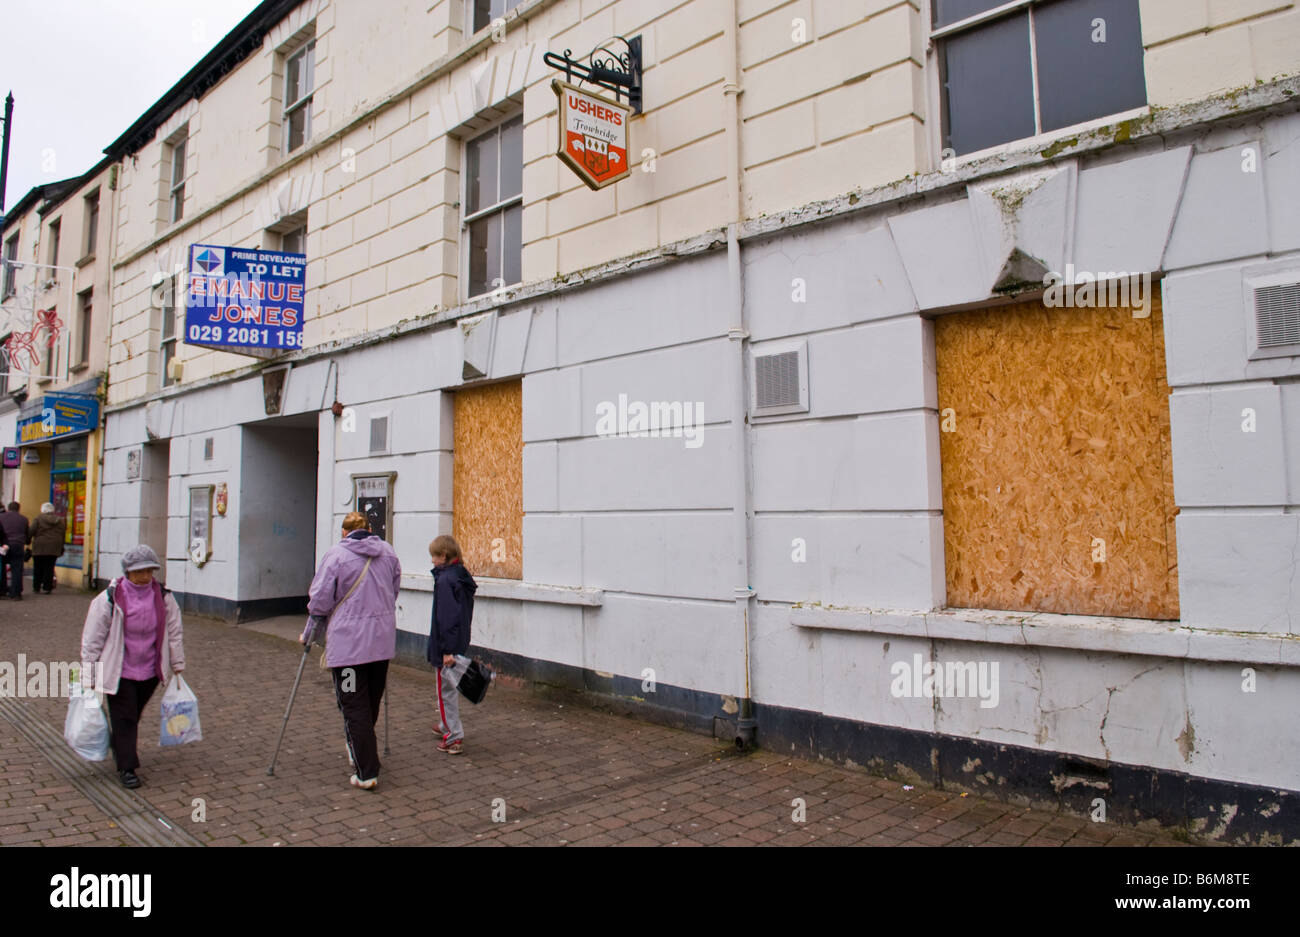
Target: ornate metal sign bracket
x=607, y=68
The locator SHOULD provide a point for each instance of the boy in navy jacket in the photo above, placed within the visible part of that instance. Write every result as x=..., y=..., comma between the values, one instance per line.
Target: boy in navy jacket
x=453, y=609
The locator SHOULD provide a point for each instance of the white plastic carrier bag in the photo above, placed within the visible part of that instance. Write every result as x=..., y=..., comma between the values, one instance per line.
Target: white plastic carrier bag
x=180, y=714
x=86, y=726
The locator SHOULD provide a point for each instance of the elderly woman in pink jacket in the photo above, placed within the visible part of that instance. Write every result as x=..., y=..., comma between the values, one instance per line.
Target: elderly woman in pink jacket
x=354, y=596
x=134, y=628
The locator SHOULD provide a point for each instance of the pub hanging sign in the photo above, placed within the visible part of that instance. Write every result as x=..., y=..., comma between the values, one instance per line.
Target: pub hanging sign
x=593, y=135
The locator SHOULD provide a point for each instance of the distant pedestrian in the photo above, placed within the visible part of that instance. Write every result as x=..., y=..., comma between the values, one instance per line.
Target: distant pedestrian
x=134, y=627
x=4, y=551
x=354, y=598
x=48, y=532
x=16, y=530
x=449, y=634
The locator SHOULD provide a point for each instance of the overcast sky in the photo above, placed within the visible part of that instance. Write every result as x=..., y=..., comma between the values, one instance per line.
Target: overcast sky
x=82, y=71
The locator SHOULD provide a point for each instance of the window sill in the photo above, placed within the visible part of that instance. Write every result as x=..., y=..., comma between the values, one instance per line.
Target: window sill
x=1075, y=632
x=1047, y=138
x=516, y=590
x=89, y=258
x=82, y=366
x=496, y=294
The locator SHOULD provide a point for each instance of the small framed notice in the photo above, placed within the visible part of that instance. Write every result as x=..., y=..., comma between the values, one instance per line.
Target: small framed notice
x=200, y=524
x=373, y=497
x=133, y=464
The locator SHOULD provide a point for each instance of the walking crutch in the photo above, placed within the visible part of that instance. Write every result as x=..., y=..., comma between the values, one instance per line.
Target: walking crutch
x=302, y=663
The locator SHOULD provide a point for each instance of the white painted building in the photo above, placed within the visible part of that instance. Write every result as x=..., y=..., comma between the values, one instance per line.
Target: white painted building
x=885, y=448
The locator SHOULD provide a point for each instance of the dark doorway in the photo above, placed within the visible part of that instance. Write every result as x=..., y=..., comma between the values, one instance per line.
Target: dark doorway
x=276, y=508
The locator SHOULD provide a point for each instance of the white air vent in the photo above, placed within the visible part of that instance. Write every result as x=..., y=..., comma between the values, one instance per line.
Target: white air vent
x=780, y=380
x=379, y=435
x=1277, y=315
x=1273, y=312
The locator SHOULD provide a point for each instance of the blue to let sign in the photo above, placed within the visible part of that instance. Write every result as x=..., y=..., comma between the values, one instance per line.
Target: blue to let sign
x=244, y=298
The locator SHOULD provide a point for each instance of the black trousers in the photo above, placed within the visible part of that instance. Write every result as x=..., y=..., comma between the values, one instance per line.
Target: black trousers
x=124, y=708
x=359, y=690
x=43, y=573
x=13, y=570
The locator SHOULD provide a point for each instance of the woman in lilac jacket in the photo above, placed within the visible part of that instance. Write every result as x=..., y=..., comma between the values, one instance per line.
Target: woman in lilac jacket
x=134, y=629
x=354, y=598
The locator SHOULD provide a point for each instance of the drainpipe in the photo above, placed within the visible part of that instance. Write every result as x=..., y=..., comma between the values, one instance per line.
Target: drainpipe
x=110, y=202
x=742, y=508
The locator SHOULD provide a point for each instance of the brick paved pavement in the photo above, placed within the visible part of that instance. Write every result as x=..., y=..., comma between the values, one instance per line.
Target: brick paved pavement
x=39, y=808
x=567, y=774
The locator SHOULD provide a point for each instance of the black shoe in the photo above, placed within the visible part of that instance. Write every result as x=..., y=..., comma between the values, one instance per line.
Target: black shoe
x=129, y=779
x=18, y=598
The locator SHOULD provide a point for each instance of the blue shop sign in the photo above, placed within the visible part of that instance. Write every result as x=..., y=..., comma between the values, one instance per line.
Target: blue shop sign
x=242, y=298
x=61, y=415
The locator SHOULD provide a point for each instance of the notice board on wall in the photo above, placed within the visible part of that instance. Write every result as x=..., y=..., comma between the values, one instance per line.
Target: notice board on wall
x=200, y=524
x=373, y=497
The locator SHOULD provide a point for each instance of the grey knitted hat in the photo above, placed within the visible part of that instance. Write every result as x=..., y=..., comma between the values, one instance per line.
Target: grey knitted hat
x=140, y=557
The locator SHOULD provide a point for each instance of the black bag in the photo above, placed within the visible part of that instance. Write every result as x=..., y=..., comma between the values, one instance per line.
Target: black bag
x=474, y=682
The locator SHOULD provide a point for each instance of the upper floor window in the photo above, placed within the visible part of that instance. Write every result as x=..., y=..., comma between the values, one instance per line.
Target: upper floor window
x=167, y=342
x=1011, y=70
x=294, y=241
x=299, y=82
x=485, y=11
x=10, y=265
x=176, y=170
x=494, y=173
x=92, y=222
x=84, y=322
x=55, y=227
x=288, y=234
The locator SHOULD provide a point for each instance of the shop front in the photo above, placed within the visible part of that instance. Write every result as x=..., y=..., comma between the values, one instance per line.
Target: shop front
x=68, y=495
x=58, y=437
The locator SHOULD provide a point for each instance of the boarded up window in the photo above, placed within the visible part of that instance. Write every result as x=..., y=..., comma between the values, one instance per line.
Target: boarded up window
x=488, y=479
x=1057, y=472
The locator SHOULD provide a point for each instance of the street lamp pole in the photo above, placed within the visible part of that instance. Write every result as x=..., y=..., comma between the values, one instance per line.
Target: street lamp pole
x=4, y=153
